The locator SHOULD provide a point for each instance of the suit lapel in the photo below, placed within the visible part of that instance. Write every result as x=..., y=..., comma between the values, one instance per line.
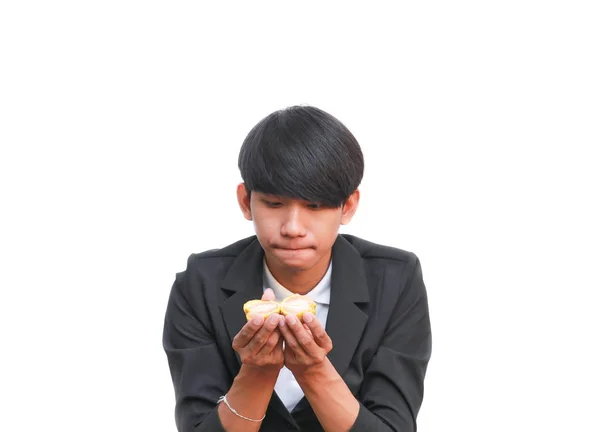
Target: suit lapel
x=345, y=320
x=244, y=279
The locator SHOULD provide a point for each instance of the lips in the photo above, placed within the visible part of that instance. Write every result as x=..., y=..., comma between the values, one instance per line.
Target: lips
x=293, y=249
x=293, y=254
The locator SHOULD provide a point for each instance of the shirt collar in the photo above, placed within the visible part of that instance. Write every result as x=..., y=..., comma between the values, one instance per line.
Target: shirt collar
x=321, y=293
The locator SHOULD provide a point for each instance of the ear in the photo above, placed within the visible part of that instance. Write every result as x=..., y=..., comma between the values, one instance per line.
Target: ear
x=244, y=201
x=350, y=207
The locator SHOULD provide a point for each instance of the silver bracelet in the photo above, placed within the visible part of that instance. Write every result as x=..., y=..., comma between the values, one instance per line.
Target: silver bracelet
x=224, y=399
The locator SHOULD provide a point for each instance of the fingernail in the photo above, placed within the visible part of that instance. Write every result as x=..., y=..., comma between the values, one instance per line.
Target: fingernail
x=308, y=317
x=257, y=320
x=282, y=322
x=292, y=319
x=273, y=319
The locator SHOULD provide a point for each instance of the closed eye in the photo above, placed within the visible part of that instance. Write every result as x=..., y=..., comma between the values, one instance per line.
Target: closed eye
x=272, y=203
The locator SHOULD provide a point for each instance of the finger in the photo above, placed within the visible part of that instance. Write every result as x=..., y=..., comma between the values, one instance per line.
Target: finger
x=304, y=339
x=317, y=330
x=307, y=329
x=262, y=336
x=247, y=332
x=271, y=343
x=290, y=339
x=268, y=294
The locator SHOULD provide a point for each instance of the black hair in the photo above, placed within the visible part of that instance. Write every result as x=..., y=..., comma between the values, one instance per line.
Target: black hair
x=302, y=152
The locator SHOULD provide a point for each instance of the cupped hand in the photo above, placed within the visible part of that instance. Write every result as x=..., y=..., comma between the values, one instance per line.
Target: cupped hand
x=306, y=343
x=259, y=343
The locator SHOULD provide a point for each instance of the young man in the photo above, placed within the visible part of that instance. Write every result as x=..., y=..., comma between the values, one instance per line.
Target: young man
x=359, y=363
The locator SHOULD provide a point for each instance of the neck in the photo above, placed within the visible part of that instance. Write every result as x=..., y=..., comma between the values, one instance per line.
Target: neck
x=299, y=281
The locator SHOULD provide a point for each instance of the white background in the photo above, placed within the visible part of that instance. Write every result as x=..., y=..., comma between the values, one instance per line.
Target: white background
x=120, y=125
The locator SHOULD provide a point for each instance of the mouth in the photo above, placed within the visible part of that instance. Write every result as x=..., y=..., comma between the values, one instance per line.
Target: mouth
x=293, y=249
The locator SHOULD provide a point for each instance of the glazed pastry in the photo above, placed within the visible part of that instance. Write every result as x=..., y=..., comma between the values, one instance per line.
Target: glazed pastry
x=263, y=308
x=297, y=304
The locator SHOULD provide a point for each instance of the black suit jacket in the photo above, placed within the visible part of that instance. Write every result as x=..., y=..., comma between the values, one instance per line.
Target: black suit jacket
x=378, y=321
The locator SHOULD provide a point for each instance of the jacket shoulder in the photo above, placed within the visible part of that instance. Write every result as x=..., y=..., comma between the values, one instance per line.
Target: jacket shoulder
x=370, y=250
x=230, y=251
x=210, y=260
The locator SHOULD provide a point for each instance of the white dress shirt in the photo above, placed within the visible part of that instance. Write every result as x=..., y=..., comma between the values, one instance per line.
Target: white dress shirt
x=286, y=387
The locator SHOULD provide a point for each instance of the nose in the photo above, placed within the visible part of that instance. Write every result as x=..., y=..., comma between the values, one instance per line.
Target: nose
x=292, y=225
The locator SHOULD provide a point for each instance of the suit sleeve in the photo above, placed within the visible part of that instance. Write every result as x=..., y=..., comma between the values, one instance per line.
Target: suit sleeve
x=196, y=366
x=393, y=386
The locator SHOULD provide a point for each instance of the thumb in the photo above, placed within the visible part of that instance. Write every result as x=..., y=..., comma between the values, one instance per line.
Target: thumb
x=268, y=294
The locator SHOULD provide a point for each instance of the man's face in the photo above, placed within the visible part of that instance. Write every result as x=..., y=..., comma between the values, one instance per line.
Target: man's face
x=295, y=234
